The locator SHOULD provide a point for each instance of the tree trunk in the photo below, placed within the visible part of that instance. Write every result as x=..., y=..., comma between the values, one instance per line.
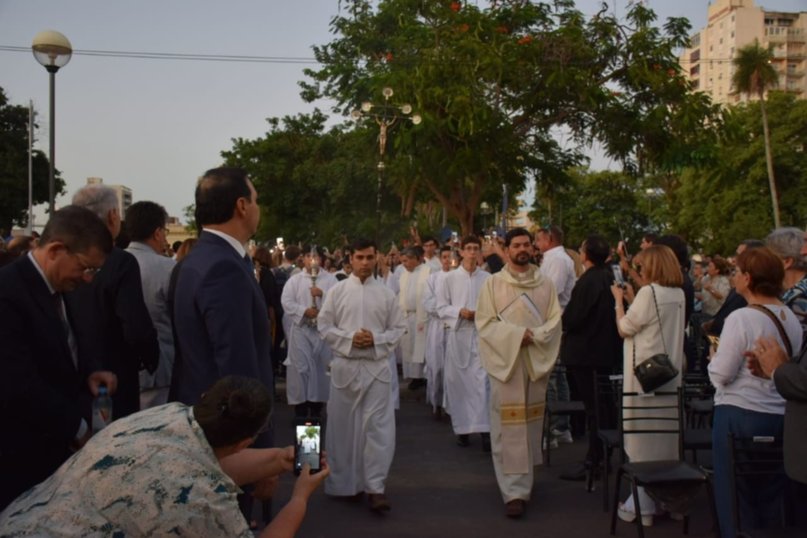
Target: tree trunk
x=769, y=162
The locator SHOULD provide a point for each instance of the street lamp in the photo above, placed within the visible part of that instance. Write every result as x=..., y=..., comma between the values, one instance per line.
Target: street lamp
x=53, y=51
x=386, y=116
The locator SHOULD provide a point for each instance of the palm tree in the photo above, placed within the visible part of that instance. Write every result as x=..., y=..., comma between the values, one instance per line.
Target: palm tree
x=753, y=75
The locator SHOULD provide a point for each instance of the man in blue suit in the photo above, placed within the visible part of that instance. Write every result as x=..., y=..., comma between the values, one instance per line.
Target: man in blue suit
x=220, y=316
x=41, y=375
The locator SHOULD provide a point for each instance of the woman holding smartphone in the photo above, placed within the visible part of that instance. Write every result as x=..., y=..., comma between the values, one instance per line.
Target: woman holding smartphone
x=747, y=405
x=167, y=469
x=653, y=324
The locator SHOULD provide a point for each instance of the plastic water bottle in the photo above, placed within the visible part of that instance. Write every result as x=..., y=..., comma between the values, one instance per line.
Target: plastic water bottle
x=101, y=410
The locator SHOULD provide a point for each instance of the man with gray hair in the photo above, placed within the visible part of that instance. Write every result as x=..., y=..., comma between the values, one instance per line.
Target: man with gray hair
x=789, y=245
x=111, y=315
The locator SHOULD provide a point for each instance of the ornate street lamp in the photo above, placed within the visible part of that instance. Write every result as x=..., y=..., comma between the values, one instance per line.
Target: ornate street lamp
x=386, y=116
x=53, y=51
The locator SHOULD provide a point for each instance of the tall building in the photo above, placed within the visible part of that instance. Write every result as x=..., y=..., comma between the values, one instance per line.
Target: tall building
x=733, y=24
x=124, y=194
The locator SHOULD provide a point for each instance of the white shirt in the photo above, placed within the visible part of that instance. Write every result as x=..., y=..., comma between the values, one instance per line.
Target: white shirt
x=235, y=243
x=558, y=267
x=728, y=369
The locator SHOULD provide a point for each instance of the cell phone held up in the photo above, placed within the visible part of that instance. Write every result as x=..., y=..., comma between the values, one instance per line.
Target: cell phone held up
x=307, y=444
x=619, y=280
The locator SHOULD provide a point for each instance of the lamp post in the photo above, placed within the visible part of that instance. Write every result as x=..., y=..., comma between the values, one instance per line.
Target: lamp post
x=386, y=116
x=53, y=51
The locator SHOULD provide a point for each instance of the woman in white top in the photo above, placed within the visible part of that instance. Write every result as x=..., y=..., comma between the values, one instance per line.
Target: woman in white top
x=717, y=287
x=649, y=331
x=746, y=405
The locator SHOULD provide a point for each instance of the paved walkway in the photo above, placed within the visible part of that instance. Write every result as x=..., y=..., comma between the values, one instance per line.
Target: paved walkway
x=438, y=489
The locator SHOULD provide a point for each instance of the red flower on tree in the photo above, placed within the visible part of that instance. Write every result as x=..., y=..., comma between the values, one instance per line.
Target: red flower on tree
x=525, y=40
x=455, y=6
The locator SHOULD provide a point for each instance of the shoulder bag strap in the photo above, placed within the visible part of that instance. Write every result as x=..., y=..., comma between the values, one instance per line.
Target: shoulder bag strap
x=658, y=314
x=775, y=320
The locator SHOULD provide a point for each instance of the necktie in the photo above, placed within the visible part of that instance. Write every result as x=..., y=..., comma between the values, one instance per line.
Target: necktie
x=71, y=340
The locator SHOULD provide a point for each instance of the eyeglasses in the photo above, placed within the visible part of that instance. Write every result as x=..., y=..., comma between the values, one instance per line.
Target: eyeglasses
x=86, y=269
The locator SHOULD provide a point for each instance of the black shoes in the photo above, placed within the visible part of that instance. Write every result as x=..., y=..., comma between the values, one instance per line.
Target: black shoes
x=515, y=508
x=464, y=440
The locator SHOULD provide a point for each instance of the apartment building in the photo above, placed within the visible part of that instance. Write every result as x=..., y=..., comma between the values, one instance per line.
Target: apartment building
x=732, y=24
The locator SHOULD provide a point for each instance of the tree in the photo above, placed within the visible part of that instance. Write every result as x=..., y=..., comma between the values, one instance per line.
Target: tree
x=311, y=185
x=734, y=184
x=608, y=203
x=14, y=166
x=753, y=75
x=495, y=86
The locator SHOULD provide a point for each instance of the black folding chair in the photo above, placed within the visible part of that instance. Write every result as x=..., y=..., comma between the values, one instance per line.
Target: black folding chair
x=758, y=461
x=698, y=394
x=554, y=408
x=607, y=391
x=648, y=474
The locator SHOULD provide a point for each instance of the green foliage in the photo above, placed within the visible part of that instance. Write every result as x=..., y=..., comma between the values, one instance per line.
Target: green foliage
x=753, y=70
x=14, y=166
x=721, y=204
x=312, y=183
x=497, y=85
x=612, y=204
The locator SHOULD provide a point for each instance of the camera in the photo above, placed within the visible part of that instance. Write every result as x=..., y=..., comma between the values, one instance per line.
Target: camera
x=307, y=444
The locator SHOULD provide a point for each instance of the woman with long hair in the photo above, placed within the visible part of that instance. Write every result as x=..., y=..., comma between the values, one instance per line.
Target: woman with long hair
x=653, y=324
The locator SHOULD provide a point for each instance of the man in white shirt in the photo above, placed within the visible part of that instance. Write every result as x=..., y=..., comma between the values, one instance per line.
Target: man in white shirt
x=362, y=323
x=558, y=267
x=466, y=382
x=145, y=224
x=307, y=384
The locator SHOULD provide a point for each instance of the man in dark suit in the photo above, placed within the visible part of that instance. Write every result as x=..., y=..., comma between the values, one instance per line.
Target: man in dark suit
x=41, y=376
x=111, y=317
x=591, y=344
x=219, y=310
x=220, y=323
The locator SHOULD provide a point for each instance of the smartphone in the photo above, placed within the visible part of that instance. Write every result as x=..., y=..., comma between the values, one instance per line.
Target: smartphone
x=618, y=279
x=279, y=243
x=454, y=237
x=307, y=444
x=495, y=234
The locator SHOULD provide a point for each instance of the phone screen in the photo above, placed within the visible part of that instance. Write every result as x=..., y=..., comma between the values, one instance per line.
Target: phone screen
x=308, y=445
x=618, y=275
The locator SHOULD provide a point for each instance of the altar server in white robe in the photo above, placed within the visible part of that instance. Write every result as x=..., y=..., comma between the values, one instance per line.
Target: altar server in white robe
x=410, y=299
x=307, y=385
x=431, y=253
x=519, y=320
x=435, y=337
x=362, y=323
x=466, y=382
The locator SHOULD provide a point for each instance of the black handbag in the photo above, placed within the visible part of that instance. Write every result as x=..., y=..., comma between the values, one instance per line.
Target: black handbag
x=658, y=369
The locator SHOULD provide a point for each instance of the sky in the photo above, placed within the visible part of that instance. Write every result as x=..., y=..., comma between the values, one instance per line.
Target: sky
x=156, y=125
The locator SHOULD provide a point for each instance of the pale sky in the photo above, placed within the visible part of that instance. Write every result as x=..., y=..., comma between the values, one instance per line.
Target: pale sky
x=156, y=125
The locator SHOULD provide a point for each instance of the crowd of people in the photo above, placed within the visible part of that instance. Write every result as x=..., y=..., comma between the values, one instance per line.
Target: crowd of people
x=191, y=345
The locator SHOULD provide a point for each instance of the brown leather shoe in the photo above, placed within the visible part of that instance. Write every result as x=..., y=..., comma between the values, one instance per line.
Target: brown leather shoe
x=515, y=508
x=378, y=502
